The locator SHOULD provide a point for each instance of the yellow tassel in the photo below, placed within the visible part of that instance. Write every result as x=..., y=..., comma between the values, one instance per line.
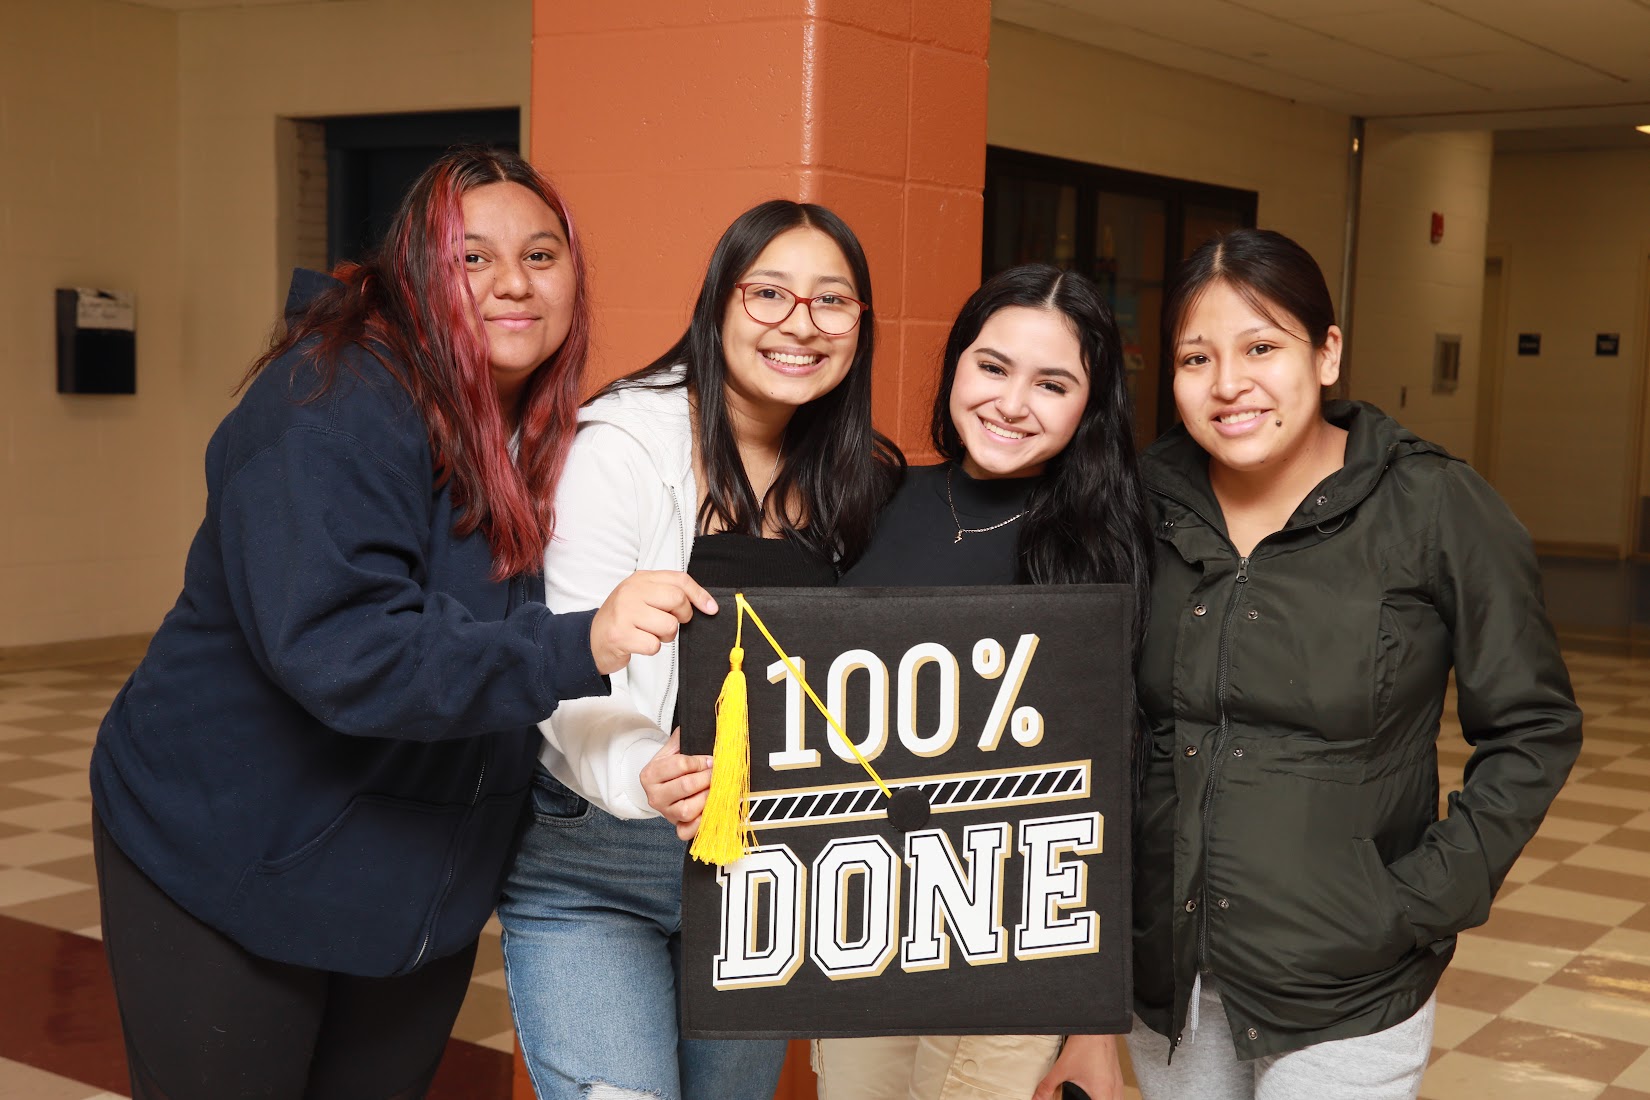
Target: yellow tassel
x=724, y=833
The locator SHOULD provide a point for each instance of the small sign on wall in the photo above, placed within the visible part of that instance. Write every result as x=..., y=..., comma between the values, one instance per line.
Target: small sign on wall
x=1529, y=343
x=96, y=341
x=1607, y=343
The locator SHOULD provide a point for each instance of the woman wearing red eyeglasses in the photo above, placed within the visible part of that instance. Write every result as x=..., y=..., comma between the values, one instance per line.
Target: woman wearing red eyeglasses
x=745, y=456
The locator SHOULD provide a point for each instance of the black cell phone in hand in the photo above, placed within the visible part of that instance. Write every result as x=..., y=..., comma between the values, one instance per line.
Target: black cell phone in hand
x=1069, y=1091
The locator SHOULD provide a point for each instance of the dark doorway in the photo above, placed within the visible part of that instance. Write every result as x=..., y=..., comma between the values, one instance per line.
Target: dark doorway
x=373, y=159
x=1125, y=230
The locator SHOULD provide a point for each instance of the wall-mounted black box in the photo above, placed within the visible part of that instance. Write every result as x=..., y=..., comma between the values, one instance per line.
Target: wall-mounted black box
x=96, y=341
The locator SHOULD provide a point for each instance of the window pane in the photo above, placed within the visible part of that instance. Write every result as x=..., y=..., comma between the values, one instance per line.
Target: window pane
x=1035, y=222
x=1203, y=223
x=1130, y=244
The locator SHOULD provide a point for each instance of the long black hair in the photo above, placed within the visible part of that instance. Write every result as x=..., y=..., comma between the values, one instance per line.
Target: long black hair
x=1086, y=519
x=835, y=470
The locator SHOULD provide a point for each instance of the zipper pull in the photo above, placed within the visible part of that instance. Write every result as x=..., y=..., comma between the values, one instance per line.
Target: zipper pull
x=1243, y=570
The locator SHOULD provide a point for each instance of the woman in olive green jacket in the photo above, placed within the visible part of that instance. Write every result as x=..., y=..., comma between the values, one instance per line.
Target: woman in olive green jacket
x=1319, y=572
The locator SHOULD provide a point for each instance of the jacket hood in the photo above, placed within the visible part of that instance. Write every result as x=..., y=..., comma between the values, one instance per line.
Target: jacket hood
x=1176, y=466
x=306, y=286
x=657, y=416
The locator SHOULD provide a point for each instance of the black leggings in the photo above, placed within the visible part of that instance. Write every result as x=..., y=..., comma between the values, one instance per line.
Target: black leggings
x=206, y=1020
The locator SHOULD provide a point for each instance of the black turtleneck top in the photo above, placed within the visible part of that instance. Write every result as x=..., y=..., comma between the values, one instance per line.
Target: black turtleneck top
x=915, y=542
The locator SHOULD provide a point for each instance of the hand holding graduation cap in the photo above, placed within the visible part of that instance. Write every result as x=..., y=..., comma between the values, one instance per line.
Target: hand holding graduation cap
x=642, y=614
x=676, y=785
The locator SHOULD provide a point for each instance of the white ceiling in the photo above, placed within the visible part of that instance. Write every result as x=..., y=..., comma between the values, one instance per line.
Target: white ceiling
x=1431, y=63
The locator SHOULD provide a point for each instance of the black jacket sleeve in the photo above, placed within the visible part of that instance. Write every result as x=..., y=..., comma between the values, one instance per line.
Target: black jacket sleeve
x=1515, y=704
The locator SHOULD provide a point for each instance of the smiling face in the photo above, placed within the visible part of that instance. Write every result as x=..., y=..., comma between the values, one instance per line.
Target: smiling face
x=1248, y=387
x=1019, y=392
x=780, y=367
x=517, y=264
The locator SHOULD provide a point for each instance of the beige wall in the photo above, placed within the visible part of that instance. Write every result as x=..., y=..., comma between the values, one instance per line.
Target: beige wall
x=243, y=70
x=139, y=150
x=1573, y=229
x=92, y=494
x=1067, y=99
x=1409, y=290
x=1063, y=98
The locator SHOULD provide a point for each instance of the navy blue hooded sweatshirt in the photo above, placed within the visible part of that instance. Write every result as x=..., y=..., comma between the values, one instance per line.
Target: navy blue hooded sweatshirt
x=326, y=751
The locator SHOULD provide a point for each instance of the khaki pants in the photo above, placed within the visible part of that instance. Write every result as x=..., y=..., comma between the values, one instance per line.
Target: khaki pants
x=933, y=1067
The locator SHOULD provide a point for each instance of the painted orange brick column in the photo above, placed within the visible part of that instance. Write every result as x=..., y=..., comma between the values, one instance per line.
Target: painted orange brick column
x=664, y=119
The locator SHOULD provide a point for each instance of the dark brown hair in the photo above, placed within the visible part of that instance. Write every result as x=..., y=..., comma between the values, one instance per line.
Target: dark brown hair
x=1276, y=276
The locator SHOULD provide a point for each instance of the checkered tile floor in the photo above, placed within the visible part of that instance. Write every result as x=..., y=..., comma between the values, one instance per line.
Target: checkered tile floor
x=48, y=721
x=1548, y=1001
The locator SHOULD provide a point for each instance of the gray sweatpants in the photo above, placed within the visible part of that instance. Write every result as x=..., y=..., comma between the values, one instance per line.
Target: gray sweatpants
x=1384, y=1066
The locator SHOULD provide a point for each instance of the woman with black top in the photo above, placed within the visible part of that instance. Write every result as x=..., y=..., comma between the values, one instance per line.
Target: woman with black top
x=1038, y=486
x=744, y=454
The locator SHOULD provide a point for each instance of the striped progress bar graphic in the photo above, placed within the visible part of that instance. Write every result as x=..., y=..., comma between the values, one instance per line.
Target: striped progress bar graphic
x=945, y=794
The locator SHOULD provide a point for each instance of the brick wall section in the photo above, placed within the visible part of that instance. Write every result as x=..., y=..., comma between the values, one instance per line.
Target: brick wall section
x=310, y=193
x=691, y=113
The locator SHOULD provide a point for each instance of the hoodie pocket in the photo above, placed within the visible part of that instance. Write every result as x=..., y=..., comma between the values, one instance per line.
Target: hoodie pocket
x=356, y=897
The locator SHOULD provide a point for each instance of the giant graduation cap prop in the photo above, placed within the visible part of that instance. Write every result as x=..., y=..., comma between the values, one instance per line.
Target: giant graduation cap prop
x=960, y=863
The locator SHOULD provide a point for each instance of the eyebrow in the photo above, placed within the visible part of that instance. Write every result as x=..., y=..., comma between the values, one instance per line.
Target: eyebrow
x=552, y=234
x=1047, y=372
x=786, y=275
x=1246, y=332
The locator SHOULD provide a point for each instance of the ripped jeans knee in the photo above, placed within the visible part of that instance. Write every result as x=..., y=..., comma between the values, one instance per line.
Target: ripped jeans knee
x=601, y=1090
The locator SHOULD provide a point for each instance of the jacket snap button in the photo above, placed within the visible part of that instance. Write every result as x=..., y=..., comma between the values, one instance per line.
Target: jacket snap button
x=1252, y=1033
x=1237, y=751
x=1253, y=615
x=1191, y=905
x=1321, y=502
x=1200, y=610
x=1224, y=904
x=1191, y=750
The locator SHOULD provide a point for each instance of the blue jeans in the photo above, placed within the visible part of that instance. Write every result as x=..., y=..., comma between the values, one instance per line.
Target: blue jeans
x=592, y=917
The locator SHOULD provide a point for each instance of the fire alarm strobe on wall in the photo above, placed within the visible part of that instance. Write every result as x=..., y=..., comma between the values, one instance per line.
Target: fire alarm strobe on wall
x=96, y=341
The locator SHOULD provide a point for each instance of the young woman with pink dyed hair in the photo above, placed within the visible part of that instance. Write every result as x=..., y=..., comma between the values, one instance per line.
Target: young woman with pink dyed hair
x=306, y=795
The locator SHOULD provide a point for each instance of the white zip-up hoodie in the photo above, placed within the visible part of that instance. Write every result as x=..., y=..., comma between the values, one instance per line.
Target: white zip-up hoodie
x=625, y=502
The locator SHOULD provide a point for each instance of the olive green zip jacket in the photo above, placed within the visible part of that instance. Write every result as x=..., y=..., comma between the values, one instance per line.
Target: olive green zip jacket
x=1288, y=838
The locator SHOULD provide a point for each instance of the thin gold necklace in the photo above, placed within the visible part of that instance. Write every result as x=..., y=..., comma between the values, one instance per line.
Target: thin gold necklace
x=961, y=530
x=773, y=476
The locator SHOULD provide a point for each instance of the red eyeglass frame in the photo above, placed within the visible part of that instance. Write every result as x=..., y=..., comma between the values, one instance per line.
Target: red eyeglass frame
x=864, y=307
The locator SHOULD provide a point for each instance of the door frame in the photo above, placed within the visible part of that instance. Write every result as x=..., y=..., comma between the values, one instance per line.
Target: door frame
x=1491, y=360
